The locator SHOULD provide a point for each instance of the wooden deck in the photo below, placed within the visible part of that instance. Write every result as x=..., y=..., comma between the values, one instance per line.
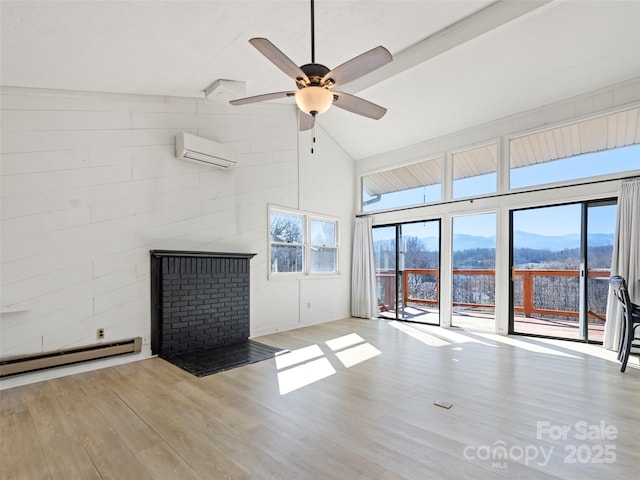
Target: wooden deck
x=476, y=314
x=353, y=400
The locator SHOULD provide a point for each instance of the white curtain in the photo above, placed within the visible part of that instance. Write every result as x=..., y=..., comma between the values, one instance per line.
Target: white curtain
x=626, y=257
x=364, y=302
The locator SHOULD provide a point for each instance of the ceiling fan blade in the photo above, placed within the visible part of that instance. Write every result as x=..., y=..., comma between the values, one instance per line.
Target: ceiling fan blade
x=306, y=121
x=358, y=105
x=279, y=59
x=359, y=66
x=261, y=98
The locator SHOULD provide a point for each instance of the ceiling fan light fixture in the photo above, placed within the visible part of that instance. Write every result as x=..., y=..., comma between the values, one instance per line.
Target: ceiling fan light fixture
x=314, y=100
x=315, y=80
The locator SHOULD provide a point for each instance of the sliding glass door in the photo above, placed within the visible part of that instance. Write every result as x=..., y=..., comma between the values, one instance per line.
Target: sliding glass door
x=560, y=264
x=407, y=259
x=600, y=231
x=385, y=257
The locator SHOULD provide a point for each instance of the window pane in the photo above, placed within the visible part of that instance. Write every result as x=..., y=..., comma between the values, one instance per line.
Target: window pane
x=287, y=258
x=581, y=166
x=478, y=185
x=324, y=260
x=406, y=198
x=404, y=186
x=546, y=261
x=323, y=233
x=602, y=145
x=286, y=228
x=473, y=275
x=474, y=171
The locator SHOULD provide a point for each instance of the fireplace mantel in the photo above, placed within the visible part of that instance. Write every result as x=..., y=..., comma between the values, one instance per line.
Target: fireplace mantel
x=190, y=253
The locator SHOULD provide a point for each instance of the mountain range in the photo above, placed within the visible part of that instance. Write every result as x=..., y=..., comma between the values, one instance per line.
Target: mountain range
x=534, y=241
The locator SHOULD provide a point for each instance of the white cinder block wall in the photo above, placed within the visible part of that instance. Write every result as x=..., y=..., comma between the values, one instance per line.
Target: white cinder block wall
x=90, y=184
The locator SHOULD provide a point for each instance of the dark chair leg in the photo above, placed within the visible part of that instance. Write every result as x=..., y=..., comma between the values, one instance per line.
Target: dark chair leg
x=622, y=342
x=629, y=334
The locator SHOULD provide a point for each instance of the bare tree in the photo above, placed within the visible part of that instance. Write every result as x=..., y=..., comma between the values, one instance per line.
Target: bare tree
x=286, y=229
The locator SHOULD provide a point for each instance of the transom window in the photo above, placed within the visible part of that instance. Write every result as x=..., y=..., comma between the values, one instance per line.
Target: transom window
x=474, y=171
x=603, y=145
x=302, y=243
x=606, y=146
x=414, y=184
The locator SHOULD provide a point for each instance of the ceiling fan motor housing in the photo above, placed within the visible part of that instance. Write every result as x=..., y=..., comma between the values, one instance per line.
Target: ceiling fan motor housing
x=315, y=72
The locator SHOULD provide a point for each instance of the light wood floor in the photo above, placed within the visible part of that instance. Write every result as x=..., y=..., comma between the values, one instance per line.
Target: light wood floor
x=374, y=419
x=484, y=320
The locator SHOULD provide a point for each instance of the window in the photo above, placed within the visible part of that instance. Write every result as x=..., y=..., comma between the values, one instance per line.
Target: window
x=413, y=184
x=302, y=243
x=602, y=145
x=287, y=242
x=324, y=251
x=474, y=171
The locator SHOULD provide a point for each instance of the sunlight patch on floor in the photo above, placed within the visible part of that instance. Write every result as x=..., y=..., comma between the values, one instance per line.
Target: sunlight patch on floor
x=424, y=337
x=287, y=358
x=352, y=349
x=592, y=350
x=526, y=344
x=344, y=341
x=358, y=354
x=303, y=375
x=435, y=336
x=297, y=368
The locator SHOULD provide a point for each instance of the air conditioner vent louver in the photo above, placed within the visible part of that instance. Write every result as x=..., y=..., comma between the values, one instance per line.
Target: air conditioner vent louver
x=202, y=150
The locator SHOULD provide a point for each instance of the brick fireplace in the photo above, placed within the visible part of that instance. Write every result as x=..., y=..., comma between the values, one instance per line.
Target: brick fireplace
x=199, y=300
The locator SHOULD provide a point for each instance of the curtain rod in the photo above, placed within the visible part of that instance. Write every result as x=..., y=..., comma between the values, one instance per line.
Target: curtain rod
x=496, y=195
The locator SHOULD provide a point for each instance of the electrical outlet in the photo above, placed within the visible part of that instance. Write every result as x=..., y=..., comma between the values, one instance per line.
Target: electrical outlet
x=100, y=334
x=145, y=340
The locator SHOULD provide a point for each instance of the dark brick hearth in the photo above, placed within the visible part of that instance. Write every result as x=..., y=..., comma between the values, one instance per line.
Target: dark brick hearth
x=199, y=300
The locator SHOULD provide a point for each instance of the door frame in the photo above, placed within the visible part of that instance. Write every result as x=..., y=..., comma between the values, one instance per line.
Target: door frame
x=583, y=268
x=399, y=277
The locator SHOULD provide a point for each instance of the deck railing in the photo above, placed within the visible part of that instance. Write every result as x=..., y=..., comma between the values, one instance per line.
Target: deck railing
x=525, y=278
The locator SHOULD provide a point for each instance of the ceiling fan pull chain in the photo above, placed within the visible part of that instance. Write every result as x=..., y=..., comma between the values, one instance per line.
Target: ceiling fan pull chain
x=313, y=136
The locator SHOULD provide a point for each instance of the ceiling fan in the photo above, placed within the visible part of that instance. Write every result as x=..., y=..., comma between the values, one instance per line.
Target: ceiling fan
x=315, y=81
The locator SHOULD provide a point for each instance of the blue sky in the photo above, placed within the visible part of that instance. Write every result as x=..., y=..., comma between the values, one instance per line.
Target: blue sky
x=483, y=225
x=581, y=166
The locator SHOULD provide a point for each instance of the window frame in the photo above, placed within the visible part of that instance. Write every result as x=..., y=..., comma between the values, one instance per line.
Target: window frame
x=490, y=143
x=311, y=245
x=307, y=245
x=439, y=157
x=582, y=180
x=288, y=244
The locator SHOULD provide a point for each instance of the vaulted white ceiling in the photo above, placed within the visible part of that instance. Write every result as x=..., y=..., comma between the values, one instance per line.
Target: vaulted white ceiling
x=456, y=63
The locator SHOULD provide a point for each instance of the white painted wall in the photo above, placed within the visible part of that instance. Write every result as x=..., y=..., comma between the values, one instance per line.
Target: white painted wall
x=90, y=184
x=602, y=101
x=325, y=188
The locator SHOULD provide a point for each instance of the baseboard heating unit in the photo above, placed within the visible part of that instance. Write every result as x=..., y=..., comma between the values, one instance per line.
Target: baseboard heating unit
x=57, y=358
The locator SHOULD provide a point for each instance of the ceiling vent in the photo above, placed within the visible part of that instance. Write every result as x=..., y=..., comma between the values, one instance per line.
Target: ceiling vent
x=205, y=151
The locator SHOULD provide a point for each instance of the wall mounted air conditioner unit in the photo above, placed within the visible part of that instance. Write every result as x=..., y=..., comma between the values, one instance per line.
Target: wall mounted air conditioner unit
x=202, y=150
